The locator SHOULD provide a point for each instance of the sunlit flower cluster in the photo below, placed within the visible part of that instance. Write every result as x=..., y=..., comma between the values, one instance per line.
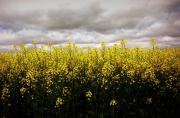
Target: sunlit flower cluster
x=113, y=102
x=69, y=76
x=59, y=102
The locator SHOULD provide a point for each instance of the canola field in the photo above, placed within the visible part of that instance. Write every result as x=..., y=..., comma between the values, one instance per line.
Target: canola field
x=70, y=82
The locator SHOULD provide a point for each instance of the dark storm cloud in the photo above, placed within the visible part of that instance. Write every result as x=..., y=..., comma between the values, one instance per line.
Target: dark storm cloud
x=54, y=19
x=102, y=20
x=72, y=19
x=96, y=15
x=167, y=14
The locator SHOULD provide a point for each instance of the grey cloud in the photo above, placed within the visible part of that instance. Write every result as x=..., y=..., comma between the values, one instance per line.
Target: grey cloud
x=135, y=19
x=65, y=18
x=72, y=19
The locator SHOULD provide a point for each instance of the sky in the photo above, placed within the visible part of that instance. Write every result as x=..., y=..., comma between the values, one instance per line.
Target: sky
x=89, y=22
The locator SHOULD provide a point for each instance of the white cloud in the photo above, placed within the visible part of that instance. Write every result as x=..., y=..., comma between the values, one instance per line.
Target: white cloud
x=83, y=39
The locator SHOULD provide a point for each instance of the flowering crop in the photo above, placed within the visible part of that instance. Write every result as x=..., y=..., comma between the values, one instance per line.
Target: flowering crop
x=105, y=82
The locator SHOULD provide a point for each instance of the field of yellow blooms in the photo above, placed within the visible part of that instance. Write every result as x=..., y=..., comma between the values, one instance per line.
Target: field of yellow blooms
x=70, y=82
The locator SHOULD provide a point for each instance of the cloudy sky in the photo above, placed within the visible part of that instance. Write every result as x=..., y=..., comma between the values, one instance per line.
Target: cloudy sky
x=89, y=22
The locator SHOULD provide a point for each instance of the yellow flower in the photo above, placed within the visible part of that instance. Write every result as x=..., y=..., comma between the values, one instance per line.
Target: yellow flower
x=65, y=91
x=148, y=100
x=130, y=73
x=25, y=81
x=107, y=69
x=113, y=102
x=123, y=43
x=59, y=102
x=5, y=93
x=88, y=95
x=23, y=90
